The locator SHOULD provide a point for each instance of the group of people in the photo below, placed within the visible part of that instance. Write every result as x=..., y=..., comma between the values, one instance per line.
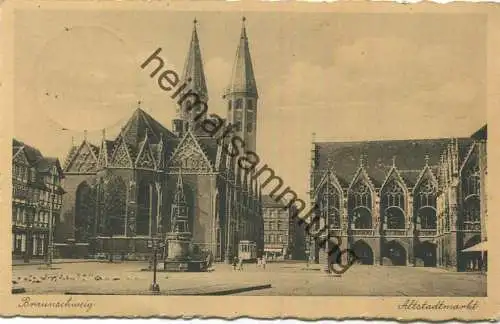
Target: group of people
x=238, y=263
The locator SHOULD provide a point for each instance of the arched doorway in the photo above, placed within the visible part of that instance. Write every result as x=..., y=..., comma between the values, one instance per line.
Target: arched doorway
x=363, y=252
x=396, y=253
x=427, y=252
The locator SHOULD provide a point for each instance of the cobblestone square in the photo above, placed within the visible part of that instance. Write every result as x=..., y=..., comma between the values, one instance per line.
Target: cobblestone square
x=286, y=279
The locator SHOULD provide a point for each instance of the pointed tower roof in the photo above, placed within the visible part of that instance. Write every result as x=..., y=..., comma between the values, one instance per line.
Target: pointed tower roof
x=193, y=67
x=242, y=78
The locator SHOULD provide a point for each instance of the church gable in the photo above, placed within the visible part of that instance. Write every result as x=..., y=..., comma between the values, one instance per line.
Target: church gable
x=121, y=157
x=394, y=176
x=362, y=177
x=190, y=156
x=328, y=177
x=426, y=179
x=145, y=158
x=83, y=161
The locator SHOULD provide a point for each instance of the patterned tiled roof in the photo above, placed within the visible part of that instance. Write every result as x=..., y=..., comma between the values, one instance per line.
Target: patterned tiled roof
x=378, y=156
x=135, y=129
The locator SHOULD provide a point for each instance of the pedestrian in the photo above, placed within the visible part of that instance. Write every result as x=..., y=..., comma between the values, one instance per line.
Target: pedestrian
x=258, y=262
x=240, y=265
x=263, y=262
x=235, y=262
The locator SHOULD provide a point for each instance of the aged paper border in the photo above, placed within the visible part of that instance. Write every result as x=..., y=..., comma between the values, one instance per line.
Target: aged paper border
x=262, y=306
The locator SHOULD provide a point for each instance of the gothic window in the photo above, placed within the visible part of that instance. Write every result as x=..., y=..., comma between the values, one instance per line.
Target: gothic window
x=114, y=206
x=249, y=121
x=144, y=203
x=362, y=218
x=472, y=209
x=84, y=212
x=249, y=104
x=360, y=205
x=471, y=181
x=330, y=205
x=238, y=119
x=392, y=204
x=471, y=191
x=425, y=203
x=238, y=104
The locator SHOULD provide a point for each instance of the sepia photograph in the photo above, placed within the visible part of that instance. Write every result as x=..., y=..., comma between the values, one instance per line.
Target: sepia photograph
x=248, y=153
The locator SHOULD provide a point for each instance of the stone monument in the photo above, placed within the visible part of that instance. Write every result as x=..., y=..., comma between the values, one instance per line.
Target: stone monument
x=179, y=237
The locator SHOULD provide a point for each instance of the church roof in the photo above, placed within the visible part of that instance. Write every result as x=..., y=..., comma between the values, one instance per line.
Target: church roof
x=243, y=78
x=135, y=129
x=193, y=67
x=344, y=158
x=481, y=134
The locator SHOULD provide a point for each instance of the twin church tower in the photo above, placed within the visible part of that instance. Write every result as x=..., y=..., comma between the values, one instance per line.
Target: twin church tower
x=241, y=94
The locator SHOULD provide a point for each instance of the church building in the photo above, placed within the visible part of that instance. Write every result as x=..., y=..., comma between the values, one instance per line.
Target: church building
x=402, y=202
x=122, y=191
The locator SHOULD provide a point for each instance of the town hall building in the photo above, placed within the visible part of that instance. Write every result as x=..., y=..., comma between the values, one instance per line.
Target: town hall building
x=403, y=202
x=120, y=192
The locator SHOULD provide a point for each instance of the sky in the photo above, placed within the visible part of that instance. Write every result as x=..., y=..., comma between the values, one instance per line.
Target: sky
x=343, y=76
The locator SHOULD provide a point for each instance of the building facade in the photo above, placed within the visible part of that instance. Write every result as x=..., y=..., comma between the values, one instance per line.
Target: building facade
x=403, y=202
x=36, y=194
x=121, y=191
x=283, y=237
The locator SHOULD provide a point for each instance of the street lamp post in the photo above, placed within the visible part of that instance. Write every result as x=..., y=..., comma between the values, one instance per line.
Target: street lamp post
x=50, y=245
x=155, y=243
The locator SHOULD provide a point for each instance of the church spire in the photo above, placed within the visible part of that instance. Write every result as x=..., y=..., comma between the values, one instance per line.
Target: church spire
x=242, y=78
x=193, y=74
x=241, y=94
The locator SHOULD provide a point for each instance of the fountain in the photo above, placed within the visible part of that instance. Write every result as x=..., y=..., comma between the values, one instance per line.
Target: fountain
x=180, y=256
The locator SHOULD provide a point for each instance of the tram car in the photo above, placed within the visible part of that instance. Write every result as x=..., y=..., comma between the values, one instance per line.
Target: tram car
x=247, y=251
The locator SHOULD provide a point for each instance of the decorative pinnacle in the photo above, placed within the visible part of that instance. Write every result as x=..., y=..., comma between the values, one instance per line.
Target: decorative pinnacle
x=139, y=103
x=195, y=21
x=361, y=160
x=85, y=135
x=426, y=159
x=393, y=160
x=330, y=162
